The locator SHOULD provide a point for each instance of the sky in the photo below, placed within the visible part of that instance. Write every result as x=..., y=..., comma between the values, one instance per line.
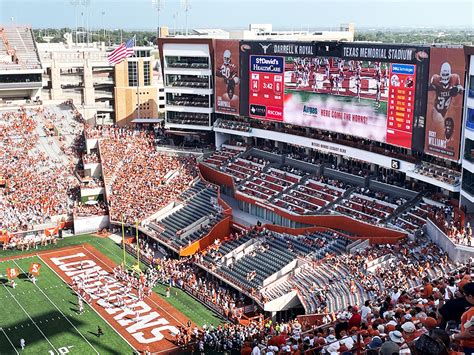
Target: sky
x=238, y=14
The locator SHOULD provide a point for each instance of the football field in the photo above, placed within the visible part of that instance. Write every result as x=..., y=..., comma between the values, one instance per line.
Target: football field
x=45, y=315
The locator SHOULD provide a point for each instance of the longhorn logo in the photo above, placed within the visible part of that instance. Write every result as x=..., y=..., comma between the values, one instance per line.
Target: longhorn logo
x=265, y=47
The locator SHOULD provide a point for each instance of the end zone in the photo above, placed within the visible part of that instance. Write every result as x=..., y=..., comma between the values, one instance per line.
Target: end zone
x=146, y=324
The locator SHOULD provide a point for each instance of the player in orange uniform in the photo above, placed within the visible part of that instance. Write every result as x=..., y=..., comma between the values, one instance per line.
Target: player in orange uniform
x=446, y=85
x=228, y=72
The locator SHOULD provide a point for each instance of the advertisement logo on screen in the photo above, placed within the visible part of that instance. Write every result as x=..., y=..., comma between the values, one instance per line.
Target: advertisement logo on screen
x=275, y=113
x=266, y=87
x=403, y=69
x=266, y=64
x=258, y=110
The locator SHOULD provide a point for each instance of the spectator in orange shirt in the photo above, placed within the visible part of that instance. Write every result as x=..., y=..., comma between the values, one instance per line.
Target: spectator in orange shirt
x=466, y=337
x=427, y=288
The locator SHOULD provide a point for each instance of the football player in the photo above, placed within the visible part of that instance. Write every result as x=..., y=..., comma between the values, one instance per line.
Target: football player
x=378, y=92
x=357, y=85
x=228, y=72
x=446, y=85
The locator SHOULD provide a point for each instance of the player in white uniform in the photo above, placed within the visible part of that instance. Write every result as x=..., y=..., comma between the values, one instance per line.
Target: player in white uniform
x=337, y=80
x=81, y=305
x=357, y=85
x=378, y=92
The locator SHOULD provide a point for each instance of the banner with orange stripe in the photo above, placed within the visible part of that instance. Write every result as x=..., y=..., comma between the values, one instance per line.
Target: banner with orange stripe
x=35, y=269
x=12, y=272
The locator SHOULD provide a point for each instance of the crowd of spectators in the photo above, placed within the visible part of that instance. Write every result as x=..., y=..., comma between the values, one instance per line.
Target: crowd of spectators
x=141, y=179
x=40, y=181
x=398, y=315
x=443, y=174
x=97, y=208
x=235, y=125
x=29, y=241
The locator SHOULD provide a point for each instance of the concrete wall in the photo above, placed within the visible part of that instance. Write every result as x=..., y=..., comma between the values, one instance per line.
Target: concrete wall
x=456, y=252
x=352, y=179
x=90, y=224
x=393, y=190
x=283, y=271
x=94, y=168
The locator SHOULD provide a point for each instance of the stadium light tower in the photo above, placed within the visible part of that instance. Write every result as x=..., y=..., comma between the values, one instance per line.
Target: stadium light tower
x=103, y=25
x=185, y=4
x=75, y=3
x=158, y=5
x=86, y=4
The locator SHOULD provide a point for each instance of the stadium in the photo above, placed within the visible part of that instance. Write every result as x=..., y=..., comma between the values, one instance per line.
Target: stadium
x=301, y=197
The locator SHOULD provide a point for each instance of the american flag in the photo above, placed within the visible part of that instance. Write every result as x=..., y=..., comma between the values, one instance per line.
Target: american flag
x=123, y=51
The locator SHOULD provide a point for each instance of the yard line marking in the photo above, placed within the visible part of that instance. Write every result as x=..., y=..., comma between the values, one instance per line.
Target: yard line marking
x=6, y=336
x=54, y=304
x=69, y=286
x=36, y=325
x=109, y=269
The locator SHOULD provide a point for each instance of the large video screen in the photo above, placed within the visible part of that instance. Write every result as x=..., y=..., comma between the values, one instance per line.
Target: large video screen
x=370, y=99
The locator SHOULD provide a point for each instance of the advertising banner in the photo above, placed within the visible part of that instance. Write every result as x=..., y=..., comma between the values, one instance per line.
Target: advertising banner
x=12, y=273
x=227, y=77
x=445, y=98
x=35, y=269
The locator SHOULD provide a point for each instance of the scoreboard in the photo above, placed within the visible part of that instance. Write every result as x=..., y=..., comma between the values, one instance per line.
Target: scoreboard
x=401, y=101
x=266, y=87
x=372, y=91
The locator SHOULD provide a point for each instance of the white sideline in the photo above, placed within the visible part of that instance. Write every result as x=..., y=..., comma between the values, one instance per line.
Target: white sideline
x=39, y=288
x=110, y=325
x=6, y=336
x=51, y=251
x=36, y=325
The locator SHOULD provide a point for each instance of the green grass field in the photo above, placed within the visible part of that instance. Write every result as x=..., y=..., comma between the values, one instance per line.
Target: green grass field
x=45, y=314
x=349, y=100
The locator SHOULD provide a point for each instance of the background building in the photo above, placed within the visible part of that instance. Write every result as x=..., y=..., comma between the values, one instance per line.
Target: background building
x=467, y=187
x=138, y=79
x=188, y=82
x=81, y=74
x=265, y=32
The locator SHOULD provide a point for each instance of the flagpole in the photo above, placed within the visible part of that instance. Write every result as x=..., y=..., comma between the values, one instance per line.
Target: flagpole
x=138, y=80
x=138, y=246
x=123, y=241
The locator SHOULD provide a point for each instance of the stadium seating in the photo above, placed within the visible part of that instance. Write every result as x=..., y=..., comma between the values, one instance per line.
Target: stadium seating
x=21, y=40
x=199, y=201
x=222, y=157
x=302, y=190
